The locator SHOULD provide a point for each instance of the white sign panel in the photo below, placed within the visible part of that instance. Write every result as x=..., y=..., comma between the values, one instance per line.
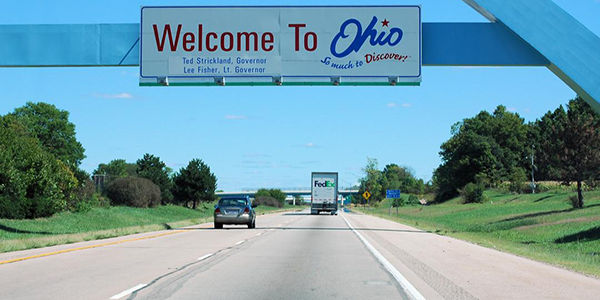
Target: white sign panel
x=325, y=44
x=324, y=187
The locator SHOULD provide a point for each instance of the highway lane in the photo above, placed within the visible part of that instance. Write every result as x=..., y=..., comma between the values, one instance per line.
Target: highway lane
x=314, y=257
x=288, y=256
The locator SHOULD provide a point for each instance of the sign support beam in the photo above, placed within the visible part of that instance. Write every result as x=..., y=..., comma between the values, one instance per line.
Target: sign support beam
x=117, y=45
x=571, y=48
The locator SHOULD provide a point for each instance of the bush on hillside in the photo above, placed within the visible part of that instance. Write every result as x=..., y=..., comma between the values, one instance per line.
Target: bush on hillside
x=413, y=200
x=517, y=178
x=83, y=192
x=268, y=201
x=472, y=193
x=133, y=191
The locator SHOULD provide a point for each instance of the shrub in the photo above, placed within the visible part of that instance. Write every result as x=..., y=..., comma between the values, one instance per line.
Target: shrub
x=82, y=193
x=516, y=181
x=133, y=191
x=413, y=200
x=397, y=202
x=472, y=193
x=276, y=194
x=268, y=201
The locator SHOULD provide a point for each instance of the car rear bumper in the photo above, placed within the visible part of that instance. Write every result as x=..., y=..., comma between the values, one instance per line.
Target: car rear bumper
x=233, y=219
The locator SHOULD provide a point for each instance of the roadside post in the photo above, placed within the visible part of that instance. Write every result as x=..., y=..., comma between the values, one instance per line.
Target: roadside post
x=366, y=195
x=395, y=196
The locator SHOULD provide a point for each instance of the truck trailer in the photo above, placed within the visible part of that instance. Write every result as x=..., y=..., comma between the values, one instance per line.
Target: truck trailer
x=324, y=192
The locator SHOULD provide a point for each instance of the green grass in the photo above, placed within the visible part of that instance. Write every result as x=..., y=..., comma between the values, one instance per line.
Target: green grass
x=539, y=226
x=101, y=223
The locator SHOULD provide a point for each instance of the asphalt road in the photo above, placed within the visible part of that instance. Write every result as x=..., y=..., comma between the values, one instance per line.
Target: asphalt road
x=288, y=256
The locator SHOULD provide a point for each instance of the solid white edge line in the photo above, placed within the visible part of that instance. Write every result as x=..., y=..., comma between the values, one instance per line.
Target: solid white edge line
x=205, y=256
x=260, y=233
x=239, y=243
x=129, y=291
x=412, y=291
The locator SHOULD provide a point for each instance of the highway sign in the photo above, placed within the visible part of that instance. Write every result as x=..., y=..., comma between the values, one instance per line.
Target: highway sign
x=392, y=194
x=367, y=195
x=268, y=45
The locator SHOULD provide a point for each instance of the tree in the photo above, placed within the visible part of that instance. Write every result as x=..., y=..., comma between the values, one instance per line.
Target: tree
x=486, y=147
x=543, y=137
x=194, y=183
x=117, y=168
x=574, y=149
x=52, y=128
x=33, y=183
x=372, y=181
x=152, y=168
x=395, y=177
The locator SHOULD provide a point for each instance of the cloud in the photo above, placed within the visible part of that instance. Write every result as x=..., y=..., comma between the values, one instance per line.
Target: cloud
x=235, y=117
x=114, y=96
x=308, y=145
x=527, y=110
x=394, y=104
x=513, y=109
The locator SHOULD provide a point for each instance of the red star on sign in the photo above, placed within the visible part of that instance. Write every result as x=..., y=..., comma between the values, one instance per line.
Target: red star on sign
x=385, y=23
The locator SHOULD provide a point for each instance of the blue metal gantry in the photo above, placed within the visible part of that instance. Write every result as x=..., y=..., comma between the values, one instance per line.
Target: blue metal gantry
x=520, y=33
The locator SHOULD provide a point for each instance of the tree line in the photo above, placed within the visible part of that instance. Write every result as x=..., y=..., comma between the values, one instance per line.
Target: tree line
x=40, y=172
x=149, y=182
x=392, y=177
x=491, y=149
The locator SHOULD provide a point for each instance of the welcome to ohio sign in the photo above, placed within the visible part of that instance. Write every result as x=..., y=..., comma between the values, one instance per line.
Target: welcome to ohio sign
x=280, y=45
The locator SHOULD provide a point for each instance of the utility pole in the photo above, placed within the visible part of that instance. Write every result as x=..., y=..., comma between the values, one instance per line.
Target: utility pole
x=532, y=169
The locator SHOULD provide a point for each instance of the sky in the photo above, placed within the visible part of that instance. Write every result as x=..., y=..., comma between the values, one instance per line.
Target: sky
x=253, y=137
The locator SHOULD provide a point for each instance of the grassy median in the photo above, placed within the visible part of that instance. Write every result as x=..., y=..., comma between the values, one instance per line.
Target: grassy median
x=101, y=223
x=541, y=226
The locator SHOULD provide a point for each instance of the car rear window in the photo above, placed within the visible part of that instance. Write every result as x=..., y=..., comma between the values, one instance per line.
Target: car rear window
x=233, y=202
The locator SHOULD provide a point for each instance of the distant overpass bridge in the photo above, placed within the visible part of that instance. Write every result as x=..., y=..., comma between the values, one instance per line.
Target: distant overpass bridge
x=295, y=192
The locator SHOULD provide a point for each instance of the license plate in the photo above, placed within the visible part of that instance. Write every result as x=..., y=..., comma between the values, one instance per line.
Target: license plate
x=232, y=212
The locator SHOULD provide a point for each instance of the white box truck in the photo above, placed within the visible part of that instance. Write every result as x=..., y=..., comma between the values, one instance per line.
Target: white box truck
x=324, y=192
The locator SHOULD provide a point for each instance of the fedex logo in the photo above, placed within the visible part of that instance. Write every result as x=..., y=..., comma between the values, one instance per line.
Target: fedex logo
x=324, y=184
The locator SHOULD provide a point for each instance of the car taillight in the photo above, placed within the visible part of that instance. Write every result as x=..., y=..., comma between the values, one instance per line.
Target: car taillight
x=217, y=211
x=246, y=210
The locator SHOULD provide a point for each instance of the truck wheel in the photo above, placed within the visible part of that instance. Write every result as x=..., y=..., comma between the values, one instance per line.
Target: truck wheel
x=218, y=225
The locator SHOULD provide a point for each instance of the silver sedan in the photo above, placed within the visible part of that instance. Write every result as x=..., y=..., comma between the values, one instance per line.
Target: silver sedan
x=235, y=210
